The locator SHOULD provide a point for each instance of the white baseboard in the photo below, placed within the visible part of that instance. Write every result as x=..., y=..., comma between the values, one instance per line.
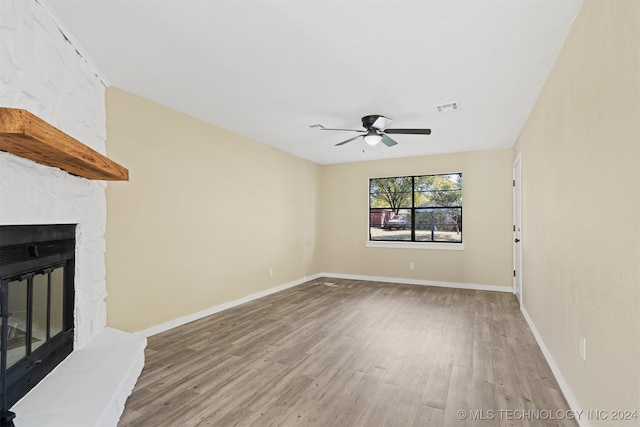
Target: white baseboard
x=564, y=386
x=224, y=306
x=420, y=282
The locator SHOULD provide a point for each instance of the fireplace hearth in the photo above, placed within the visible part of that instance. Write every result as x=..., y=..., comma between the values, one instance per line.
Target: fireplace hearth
x=37, y=264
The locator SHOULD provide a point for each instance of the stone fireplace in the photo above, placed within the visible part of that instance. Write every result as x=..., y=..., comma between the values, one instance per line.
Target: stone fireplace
x=42, y=72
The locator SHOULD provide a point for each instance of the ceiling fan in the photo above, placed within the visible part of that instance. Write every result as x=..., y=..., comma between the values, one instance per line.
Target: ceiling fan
x=375, y=131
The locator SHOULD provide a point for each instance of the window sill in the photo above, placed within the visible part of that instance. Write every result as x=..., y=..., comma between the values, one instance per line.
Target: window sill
x=416, y=245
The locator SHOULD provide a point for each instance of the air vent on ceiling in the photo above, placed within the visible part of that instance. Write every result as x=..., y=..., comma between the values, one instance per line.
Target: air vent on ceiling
x=450, y=106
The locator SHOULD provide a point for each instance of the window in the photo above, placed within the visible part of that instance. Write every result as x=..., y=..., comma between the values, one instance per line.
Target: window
x=426, y=208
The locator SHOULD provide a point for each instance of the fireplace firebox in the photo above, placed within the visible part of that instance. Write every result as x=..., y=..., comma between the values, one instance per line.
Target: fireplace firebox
x=37, y=264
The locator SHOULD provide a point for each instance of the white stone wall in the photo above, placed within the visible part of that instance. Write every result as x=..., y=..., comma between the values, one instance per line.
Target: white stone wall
x=40, y=71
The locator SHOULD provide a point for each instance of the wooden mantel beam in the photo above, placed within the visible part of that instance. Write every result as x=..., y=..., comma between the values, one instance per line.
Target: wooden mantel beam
x=28, y=136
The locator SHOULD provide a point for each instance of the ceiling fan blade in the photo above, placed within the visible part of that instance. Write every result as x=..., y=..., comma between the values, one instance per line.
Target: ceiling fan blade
x=409, y=131
x=388, y=141
x=319, y=126
x=348, y=140
x=348, y=130
x=381, y=122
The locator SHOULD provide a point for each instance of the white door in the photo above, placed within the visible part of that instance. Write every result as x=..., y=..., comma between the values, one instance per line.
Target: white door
x=517, y=229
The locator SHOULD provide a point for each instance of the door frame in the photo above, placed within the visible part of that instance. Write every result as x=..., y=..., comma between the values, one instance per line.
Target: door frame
x=517, y=223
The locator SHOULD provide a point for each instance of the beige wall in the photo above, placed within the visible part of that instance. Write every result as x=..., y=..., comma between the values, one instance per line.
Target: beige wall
x=581, y=208
x=204, y=216
x=487, y=219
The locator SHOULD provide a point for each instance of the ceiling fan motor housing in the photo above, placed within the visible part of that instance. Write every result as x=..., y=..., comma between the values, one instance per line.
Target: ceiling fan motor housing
x=368, y=121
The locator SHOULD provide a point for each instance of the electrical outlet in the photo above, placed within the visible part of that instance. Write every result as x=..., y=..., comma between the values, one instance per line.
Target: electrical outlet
x=270, y=272
x=583, y=347
x=412, y=266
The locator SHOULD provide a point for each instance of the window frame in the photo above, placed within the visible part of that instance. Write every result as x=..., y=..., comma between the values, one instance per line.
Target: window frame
x=412, y=244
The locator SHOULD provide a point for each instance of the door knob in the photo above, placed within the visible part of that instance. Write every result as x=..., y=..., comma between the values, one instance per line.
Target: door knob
x=517, y=240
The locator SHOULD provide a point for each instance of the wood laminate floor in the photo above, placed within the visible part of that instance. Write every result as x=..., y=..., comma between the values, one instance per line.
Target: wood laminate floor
x=335, y=352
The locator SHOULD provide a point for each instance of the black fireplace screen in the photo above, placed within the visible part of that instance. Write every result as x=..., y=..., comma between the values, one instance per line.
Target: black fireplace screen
x=37, y=266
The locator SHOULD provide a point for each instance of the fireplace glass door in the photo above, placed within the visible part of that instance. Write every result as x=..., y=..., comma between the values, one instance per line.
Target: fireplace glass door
x=35, y=306
x=37, y=266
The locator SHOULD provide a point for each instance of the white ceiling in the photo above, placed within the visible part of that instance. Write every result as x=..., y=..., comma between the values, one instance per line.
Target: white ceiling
x=268, y=69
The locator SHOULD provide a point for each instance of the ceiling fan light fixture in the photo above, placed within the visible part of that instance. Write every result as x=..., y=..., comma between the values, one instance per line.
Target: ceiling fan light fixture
x=372, y=139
